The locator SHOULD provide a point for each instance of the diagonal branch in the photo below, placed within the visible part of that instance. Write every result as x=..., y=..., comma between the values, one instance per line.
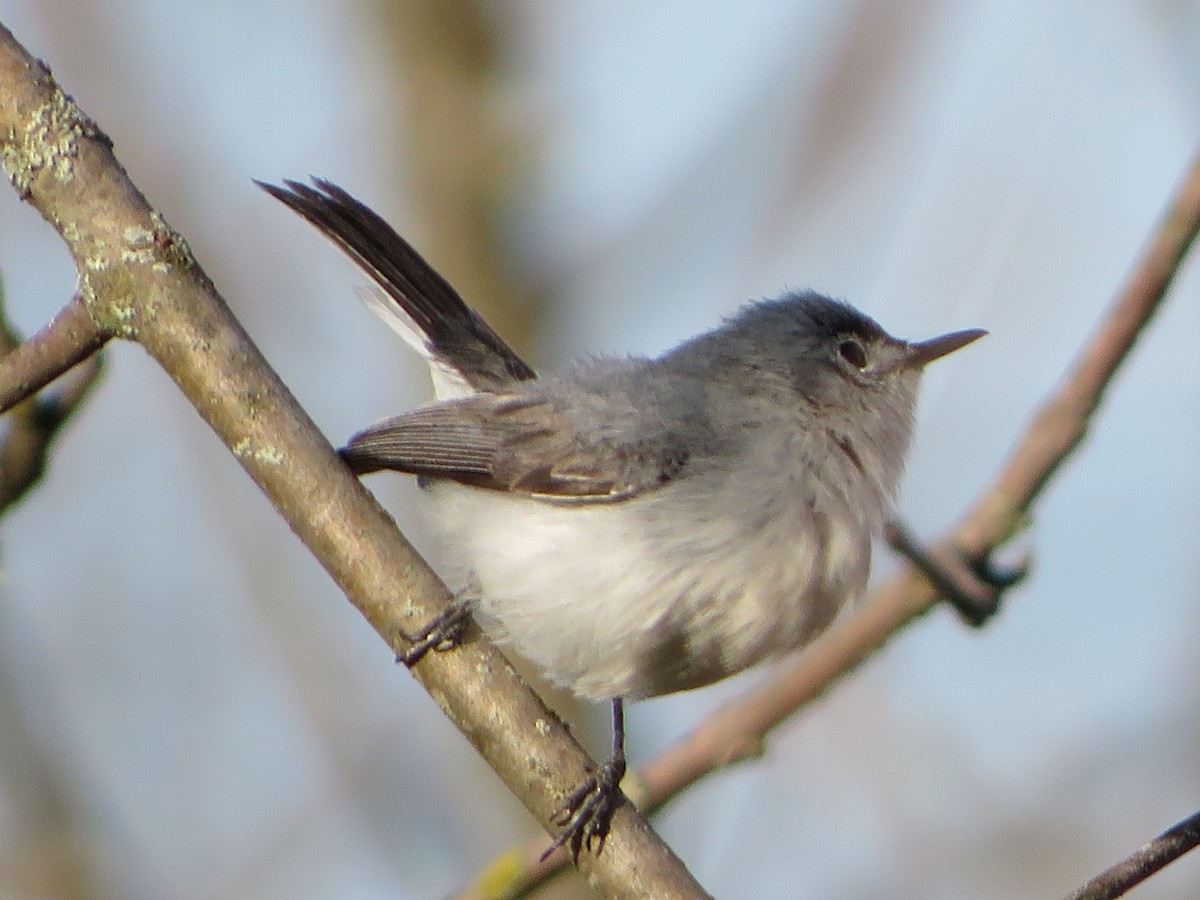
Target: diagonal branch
x=34, y=425
x=27, y=367
x=140, y=281
x=738, y=730
x=70, y=338
x=1062, y=421
x=1144, y=862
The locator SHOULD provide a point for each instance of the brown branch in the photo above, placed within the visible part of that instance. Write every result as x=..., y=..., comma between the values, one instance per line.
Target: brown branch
x=25, y=368
x=34, y=425
x=70, y=338
x=1062, y=421
x=139, y=281
x=1140, y=865
x=738, y=730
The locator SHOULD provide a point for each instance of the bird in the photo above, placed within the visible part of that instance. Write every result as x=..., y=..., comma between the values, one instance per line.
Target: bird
x=639, y=526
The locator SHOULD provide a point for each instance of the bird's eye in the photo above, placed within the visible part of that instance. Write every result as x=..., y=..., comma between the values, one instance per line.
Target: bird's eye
x=853, y=353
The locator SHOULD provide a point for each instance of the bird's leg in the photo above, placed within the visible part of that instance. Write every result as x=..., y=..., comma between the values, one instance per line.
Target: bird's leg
x=971, y=586
x=587, y=812
x=442, y=632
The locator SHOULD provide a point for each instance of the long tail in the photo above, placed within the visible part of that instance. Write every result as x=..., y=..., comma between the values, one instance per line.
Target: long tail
x=413, y=298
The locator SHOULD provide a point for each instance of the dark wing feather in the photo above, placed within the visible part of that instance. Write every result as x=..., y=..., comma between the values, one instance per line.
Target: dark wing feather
x=455, y=332
x=513, y=443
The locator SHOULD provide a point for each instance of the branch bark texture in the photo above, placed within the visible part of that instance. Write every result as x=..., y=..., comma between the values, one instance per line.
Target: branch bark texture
x=1118, y=879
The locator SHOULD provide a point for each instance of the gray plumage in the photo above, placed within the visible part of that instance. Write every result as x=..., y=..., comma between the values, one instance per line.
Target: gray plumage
x=641, y=526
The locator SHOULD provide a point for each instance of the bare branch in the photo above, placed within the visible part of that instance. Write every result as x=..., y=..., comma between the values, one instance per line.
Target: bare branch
x=1062, y=421
x=139, y=281
x=34, y=425
x=71, y=337
x=738, y=730
x=1136, y=868
x=25, y=368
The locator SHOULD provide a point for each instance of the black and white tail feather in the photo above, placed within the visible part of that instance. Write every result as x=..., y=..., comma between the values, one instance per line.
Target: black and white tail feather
x=495, y=428
x=463, y=352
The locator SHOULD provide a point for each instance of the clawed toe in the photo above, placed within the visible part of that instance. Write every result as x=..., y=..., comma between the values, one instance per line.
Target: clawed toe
x=443, y=632
x=974, y=587
x=586, y=813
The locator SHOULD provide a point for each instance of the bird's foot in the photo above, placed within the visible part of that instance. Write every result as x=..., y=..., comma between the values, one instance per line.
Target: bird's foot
x=443, y=632
x=586, y=813
x=974, y=587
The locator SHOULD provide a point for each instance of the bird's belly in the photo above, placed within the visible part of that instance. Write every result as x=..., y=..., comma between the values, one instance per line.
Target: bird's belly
x=622, y=599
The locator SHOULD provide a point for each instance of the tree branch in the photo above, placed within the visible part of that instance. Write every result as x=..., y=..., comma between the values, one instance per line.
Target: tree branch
x=1136, y=868
x=25, y=368
x=1062, y=421
x=139, y=280
x=738, y=730
x=70, y=338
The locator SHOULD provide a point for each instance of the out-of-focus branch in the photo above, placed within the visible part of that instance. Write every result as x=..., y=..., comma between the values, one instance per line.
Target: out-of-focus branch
x=25, y=368
x=460, y=150
x=738, y=730
x=140, y=281
x=1140, y=865
x=34, y=425
x=1062, y=421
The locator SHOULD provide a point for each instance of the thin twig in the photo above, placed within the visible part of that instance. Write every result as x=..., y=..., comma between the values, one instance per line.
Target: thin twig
x=71, y=337
x=738, y=730
x=1148, y=859
x=25, y=368
x=1061, y=423
x=34, y=425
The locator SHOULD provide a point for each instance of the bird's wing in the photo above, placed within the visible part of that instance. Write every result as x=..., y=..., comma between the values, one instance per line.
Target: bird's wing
x=516, y=443
x=413, y=298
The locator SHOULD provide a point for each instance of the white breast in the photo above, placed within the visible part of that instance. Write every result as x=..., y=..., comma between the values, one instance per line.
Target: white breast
x=627, y=599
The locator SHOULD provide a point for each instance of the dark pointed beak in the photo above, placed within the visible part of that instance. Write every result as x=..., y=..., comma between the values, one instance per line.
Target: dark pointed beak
x=925, y=352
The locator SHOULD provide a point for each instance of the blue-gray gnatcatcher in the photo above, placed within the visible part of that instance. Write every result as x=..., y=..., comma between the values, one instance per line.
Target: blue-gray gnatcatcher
x=639, y=526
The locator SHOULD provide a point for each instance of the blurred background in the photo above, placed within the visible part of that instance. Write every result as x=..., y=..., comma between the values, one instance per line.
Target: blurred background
x=189, y=708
